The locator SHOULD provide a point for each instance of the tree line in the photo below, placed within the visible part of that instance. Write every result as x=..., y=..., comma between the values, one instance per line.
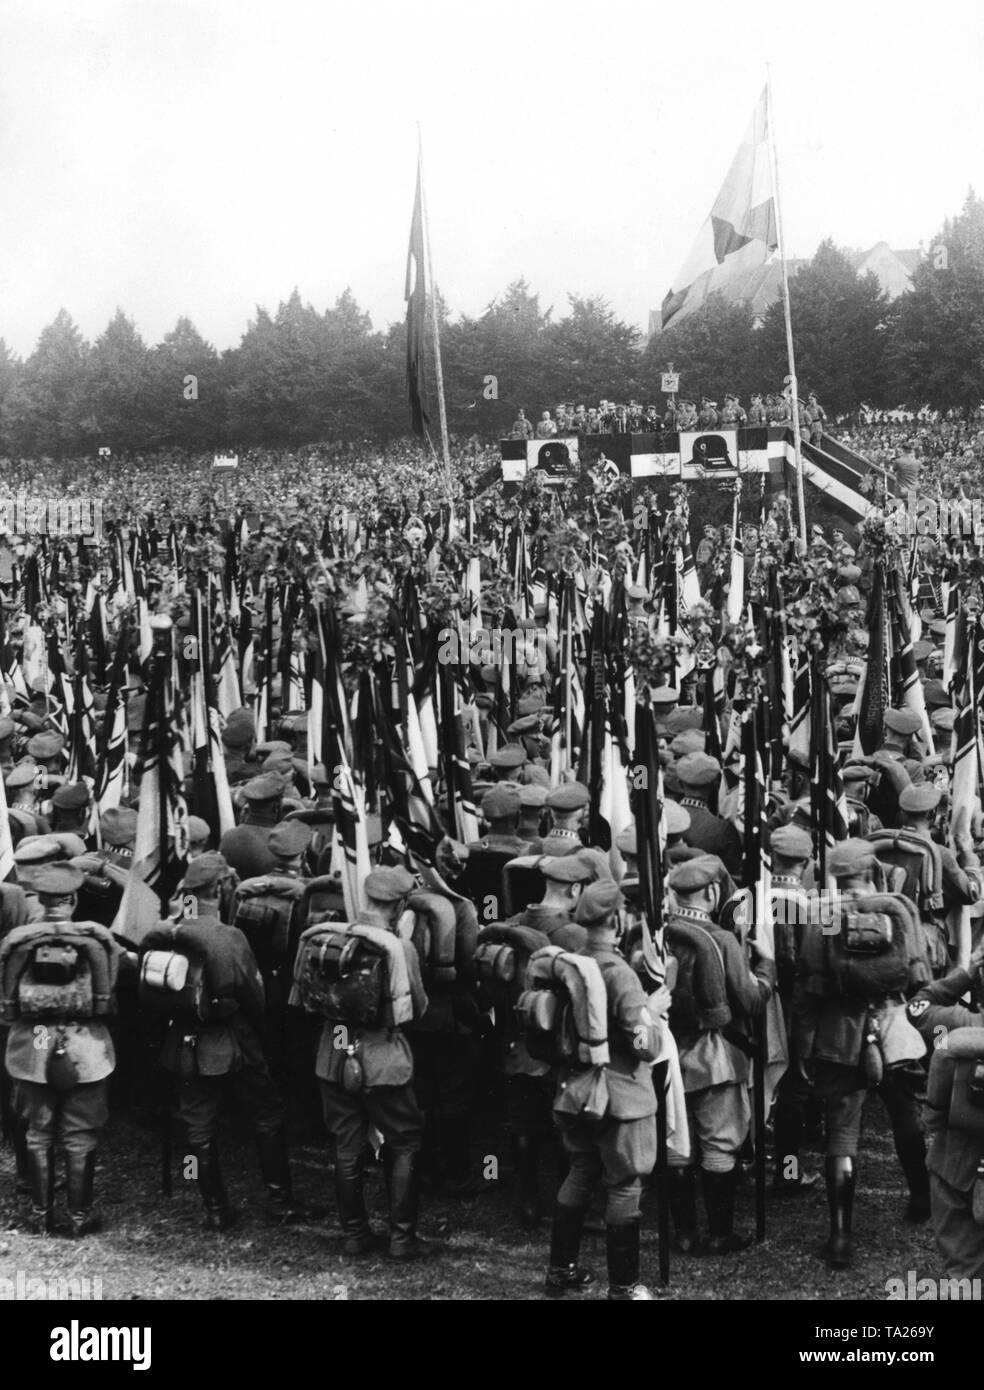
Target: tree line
x=300, y=376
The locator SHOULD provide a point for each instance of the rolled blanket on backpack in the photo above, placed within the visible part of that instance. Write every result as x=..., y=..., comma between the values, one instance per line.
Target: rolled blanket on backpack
x=589, y=998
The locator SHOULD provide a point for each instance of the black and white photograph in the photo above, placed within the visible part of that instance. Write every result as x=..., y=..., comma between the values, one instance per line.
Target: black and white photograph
x=492, y=666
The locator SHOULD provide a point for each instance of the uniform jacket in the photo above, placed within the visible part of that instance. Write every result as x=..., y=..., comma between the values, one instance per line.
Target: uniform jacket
x=953, y=1154
x=713, y=835
x=707, y=1058
x=633, y=1040
x=232, y=976
x=384, y=1053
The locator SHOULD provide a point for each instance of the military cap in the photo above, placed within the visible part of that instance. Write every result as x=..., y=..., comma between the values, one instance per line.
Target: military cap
x=566, y=868
x=664, y=694
x=569, y=796
x=203, y=871
x=943, y=720
x=531, y=704
x=676, y=818
x=45, y=745
x=198, y=829
x=625, y=841
x=71, y=798
x=690, y=741
x=274, y=747
x=23, y=775
x=37, y=849
x=512, y=755
x=938, y=627
x=135, y=708
x=698, y=770
x=289, y=838
x=790, y=841
x=295, y=721
x=240, y=729
x=389, y=885
x=922, y=650
x=857, y=772
x=265, y=788
x=850, y=574
x=534, y=776
x=902, y=721
x=71, y=845
x=597, y=860
x=501, y=801
x=30, y=721
x=280, y=764
x=843, y=685
x=529, y=724
x=533, y=794
x=695, y=873
x=848, y=596
x=117, y=826
x=678, y=721
x=597, y=903
x=934, y=694
x=7, y=728
x=58, y=880
x=920, y=798
x=100, y=700
x=849, y=857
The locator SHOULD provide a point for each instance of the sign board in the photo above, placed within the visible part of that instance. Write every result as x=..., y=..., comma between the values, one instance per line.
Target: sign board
x=104, y=453
x=669, y=383
x=225, y=461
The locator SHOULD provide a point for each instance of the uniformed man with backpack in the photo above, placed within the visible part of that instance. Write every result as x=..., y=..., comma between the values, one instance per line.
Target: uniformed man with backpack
x=954, y=1033
x=365, y=982
x=850, y=1031
x=201, y=974
x=58, y=981
x=605, y=1029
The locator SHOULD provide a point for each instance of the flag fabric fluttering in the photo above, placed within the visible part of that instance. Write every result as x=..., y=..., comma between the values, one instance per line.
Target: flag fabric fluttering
x=415, y=295
x=741, y=231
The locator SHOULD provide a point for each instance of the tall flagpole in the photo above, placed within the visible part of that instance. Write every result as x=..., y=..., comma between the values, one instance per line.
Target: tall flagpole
x=438, y=370
x=793, y=387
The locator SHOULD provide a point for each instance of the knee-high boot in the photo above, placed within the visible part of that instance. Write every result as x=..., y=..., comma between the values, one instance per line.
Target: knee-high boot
x=682, y=1188
x=840, y=1199
x=82, y=1216
x=720, y=1190
x=564, y=1274
x=219, y=1216
x=527, y=1152
x=41, y=1178
x=403, y=1185
x=911, y=1149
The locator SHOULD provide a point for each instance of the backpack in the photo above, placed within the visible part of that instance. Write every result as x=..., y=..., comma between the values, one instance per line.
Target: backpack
x=555, y=1009
x=55, y=970
x=871, y=944
x=56, y=982
x=434, y=937
x=264, y=910
x=172, y=981
x=340, y=977
x=700, y=994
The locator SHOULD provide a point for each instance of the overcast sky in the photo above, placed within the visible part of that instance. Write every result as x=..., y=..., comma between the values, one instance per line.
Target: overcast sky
x=201, y=157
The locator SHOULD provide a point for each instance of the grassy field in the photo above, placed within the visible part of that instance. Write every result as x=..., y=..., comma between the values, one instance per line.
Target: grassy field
x=154, y=1248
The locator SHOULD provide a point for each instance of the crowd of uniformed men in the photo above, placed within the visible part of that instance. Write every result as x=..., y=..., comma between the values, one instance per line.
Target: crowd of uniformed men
x=458, y=1056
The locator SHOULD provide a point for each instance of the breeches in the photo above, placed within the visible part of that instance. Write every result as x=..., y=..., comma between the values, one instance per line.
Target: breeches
x=616, y=1153
x=72, y=1119
x=393, y=1110
x=719, y=1119
x=200, y=1102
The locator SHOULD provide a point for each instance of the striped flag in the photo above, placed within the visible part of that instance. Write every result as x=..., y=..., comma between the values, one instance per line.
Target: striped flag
x=740, y=233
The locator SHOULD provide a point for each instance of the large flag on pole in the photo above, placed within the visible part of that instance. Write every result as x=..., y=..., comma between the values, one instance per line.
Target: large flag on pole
x=740, y=233
x=415, y=295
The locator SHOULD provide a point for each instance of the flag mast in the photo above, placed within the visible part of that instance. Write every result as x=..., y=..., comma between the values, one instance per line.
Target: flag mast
x=793, y=387
x=438, y=370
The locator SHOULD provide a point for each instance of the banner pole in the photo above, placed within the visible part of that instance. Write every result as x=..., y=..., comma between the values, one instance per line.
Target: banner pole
x=793, y=387
x=438, y=369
